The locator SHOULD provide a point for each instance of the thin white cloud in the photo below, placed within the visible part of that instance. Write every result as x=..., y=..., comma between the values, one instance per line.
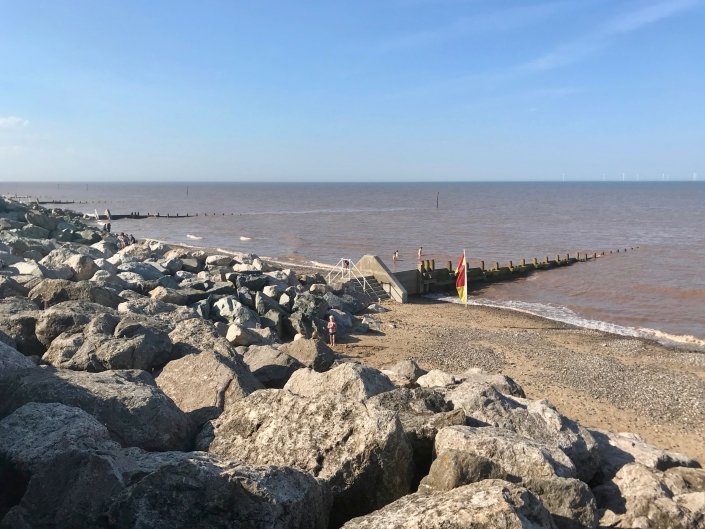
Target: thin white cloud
x=650, y=14
x=494, y=21
x=13, y=122
x=589, y=44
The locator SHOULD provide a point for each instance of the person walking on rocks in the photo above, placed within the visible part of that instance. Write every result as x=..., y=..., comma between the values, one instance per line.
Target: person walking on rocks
x=332, y=329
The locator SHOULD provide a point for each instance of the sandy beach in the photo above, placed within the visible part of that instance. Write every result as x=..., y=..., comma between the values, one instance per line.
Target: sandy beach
x=602, y=380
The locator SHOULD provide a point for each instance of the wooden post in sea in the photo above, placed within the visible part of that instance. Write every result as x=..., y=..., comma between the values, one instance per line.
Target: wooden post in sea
x=482, y=266
x=450, y=266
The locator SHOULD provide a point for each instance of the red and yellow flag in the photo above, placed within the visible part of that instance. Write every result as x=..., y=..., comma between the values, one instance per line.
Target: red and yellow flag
x=461, y=280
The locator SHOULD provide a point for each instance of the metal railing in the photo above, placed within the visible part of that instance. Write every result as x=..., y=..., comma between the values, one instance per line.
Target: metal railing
x=345, y=270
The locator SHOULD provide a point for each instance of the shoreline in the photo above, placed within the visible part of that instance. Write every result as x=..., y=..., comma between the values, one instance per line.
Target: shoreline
x=685, y=342
x=602, y=380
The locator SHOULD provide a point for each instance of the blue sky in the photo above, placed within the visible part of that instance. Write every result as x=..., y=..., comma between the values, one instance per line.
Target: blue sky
x=352, y=90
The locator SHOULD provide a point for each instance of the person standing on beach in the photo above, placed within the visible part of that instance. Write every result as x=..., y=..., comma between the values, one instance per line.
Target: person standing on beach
x=395, y=257
x=332, y=329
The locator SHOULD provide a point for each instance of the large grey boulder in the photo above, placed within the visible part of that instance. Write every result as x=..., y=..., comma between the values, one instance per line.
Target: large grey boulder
x=637, y=496
x=243, y=336
x=436, y=378
x=219, y=260
x=178, y=296
x=489, y=504
x=148, y=307
x=360, y=450
x=467, y=455
x=232, y=311
x=537, y=420
x=130, y=488
x=270, y=366
x=408, y=370
x=129, y=403
x=569, y=500
x=18, y=320
x=29, y=268
x=347, y=380
x=310, y=306
x=43, y=221
x=52, y=291
x=346, y=303
x=619, y=449
x=11, y=359
x=35, y=433
x=264, y=304
x=422, y=412
x=475, y=377
x=148, y=271
x=315, y=354
x=208, y=372
x=110, y=343
x=286, y=278
x=34, y=232
x=252, y=282
x=67, y=316
x=107, y=248
x=82, y=265
x=109, y=279
x=516, y=455
x=10, y=288
x=134, y=253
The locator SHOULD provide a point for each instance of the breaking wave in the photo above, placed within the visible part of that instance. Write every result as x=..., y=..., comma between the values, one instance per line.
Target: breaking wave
x=565, y=315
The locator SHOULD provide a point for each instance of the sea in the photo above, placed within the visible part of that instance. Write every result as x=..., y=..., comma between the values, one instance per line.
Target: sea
x=654, y=287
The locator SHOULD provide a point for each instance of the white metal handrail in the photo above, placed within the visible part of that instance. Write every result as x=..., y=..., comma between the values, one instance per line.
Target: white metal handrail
x=345, y=270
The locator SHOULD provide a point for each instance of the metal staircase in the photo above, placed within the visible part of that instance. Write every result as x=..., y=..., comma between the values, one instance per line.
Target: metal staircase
x=375, y=291
x=347, y=273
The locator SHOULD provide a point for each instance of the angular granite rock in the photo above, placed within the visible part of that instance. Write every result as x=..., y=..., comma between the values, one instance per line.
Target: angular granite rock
x=359, y=449
x=347, y=380
x=129, y=403
x=489, y=504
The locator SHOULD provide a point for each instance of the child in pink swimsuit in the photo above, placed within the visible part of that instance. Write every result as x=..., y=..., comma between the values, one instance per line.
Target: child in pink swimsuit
x=332, y=329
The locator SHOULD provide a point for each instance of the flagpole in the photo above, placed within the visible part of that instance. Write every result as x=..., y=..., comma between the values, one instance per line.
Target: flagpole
x=465, y=264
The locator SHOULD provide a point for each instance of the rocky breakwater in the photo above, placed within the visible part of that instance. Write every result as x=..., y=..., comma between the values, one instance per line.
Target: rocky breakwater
x=157, y=386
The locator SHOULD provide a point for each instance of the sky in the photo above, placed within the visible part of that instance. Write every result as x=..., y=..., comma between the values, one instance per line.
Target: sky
x=358, y=90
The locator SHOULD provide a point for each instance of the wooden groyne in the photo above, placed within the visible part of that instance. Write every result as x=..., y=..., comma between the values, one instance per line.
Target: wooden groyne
x=142, y=216
x=428, y=278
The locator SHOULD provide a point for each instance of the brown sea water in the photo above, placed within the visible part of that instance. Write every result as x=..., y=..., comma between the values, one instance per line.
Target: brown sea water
x=655, y=290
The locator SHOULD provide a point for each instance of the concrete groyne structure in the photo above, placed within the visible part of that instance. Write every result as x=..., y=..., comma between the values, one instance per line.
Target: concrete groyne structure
x=427, y=278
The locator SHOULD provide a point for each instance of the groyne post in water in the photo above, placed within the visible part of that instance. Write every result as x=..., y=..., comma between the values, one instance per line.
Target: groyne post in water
x=427, y=278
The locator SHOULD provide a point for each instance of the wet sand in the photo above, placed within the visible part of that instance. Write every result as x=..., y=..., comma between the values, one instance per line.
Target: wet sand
x=602, y=380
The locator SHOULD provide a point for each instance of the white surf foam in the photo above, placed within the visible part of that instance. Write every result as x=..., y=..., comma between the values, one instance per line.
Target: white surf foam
x=565, y=315
x=194, y=237
x=243, y=238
